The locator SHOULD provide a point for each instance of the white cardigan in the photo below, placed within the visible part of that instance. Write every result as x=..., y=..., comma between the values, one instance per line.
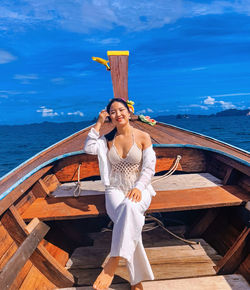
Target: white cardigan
x=97, y=145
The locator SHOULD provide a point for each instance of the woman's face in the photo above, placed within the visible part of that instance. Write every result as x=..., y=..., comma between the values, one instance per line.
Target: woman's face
x=119, y=114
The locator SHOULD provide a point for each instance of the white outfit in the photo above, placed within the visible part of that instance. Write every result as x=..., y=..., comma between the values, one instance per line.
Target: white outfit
x=119, y=175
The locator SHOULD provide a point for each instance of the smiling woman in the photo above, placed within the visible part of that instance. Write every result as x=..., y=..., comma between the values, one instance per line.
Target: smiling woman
x=127, y=164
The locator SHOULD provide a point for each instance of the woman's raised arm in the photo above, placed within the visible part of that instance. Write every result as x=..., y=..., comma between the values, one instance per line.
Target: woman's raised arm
x=91, y=143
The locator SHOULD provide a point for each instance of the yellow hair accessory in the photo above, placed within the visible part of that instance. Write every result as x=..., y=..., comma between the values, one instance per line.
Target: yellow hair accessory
x=131, y=106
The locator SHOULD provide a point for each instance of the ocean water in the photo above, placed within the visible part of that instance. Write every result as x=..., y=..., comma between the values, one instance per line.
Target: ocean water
x=18, y=143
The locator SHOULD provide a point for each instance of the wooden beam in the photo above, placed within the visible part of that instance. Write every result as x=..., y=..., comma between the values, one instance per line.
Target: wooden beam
x=235, y=255
x=119, y=73
x=200, y=225
x=41, y=258
x=23, y=253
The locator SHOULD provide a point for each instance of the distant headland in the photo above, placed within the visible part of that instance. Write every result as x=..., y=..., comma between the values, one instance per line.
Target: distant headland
x=225, y=113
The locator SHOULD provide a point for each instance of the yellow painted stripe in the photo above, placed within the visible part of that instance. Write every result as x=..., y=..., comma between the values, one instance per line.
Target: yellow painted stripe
x=125, y=52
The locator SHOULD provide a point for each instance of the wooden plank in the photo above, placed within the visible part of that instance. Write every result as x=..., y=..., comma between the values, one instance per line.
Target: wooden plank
x=20, y=189
x=226, y=282
x=201, y=225
x=36, y=280
x=21, y=276
x=5, y=240
x=235, y=255
x=7, y=255
x=178, y=266
x=25, y=201
x=23, y=253
x=41, y=258
x=94, y=257
x=172, y=200
x=51, y=182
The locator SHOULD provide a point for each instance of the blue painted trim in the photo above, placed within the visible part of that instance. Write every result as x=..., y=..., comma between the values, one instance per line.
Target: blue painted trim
x=42, y=152
x=203, y=148
x=4, y=194
x=235, y=147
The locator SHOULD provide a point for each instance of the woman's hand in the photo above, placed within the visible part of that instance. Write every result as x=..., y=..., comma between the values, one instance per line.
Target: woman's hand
x=101, y=119
x=102, y=116
x=134, y=194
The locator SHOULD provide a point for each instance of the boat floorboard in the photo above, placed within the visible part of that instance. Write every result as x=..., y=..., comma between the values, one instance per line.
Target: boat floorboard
x=58, y=208
x=223, y=282
x=175, y=264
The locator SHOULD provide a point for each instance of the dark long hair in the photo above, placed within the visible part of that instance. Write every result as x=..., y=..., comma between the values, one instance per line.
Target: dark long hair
x=110, y=136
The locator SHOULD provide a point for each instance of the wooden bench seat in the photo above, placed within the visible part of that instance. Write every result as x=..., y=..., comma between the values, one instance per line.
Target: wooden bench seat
x=58, y=208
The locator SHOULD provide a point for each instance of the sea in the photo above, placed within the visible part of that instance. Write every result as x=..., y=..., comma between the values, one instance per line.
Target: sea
x=20, y=142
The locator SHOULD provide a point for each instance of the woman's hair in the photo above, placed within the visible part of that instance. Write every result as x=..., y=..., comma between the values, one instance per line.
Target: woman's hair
x=110, y=136
x=122, y=101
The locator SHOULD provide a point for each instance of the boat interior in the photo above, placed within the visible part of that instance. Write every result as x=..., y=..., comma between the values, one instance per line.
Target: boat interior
x=206, y=200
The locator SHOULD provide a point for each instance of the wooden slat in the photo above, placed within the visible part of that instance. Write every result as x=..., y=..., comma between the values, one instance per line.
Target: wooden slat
x=41, y=258
x=235, y=255
x=23, y=253
x=20, y=189
x=94, y=257
x=173, y=261
x=172, y=200
x=21, y=276
x=36, y=280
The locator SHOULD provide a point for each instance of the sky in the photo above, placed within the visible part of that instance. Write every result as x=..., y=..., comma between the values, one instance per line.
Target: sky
x=186, y=57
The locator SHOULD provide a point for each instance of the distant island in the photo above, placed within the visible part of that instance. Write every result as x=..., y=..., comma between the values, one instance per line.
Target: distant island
x=225, y=113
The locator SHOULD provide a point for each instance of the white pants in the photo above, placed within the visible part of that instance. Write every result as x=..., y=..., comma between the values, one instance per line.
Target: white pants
x=128, y=218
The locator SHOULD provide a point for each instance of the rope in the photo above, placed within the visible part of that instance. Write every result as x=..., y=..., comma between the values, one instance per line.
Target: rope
x=160, y=224
x=77, y=190
x=171, y=171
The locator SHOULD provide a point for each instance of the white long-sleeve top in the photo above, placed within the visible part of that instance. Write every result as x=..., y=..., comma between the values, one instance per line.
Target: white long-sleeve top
x=97, y=145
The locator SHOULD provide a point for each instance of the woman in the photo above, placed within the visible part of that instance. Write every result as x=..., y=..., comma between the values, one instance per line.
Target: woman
x=127, y=164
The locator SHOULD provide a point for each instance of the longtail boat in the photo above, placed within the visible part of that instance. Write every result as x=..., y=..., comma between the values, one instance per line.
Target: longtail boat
x=55, y=233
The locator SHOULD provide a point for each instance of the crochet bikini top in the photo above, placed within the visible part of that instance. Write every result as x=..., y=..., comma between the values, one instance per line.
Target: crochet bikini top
x=125, y=171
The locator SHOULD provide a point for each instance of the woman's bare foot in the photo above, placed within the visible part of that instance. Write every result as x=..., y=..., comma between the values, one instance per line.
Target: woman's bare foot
x=104, y=280
x=137, y=286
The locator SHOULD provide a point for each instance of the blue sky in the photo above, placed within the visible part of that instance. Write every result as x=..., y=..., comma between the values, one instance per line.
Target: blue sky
x=185, y=57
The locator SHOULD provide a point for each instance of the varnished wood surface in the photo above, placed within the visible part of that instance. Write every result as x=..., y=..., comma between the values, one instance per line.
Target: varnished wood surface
x=160, y=134
x=119, y=75
x=172, y=200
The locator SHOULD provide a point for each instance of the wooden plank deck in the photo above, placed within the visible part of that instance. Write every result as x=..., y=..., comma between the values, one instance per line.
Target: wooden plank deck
x=51, y=208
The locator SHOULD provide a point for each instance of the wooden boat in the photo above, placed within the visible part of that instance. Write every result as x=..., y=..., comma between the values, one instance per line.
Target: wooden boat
x=51, y=239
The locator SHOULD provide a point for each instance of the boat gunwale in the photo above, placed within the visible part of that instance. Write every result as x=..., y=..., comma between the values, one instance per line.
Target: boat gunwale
x=74, y=153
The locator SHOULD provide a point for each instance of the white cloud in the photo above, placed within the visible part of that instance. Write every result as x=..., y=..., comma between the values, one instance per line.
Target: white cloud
x=57, y=81
x=25, y=79
x=77, y=113
x=6, y=57
x=84, y=16
x=232, y=95
x=193, y=106
x=3, y=96
x=226, y=105
x=209, y=101
x=46, y=112
x=144, y=111
x=104, y=41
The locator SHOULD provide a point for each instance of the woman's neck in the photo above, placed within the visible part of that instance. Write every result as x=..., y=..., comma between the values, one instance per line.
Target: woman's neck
x=124, y=130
